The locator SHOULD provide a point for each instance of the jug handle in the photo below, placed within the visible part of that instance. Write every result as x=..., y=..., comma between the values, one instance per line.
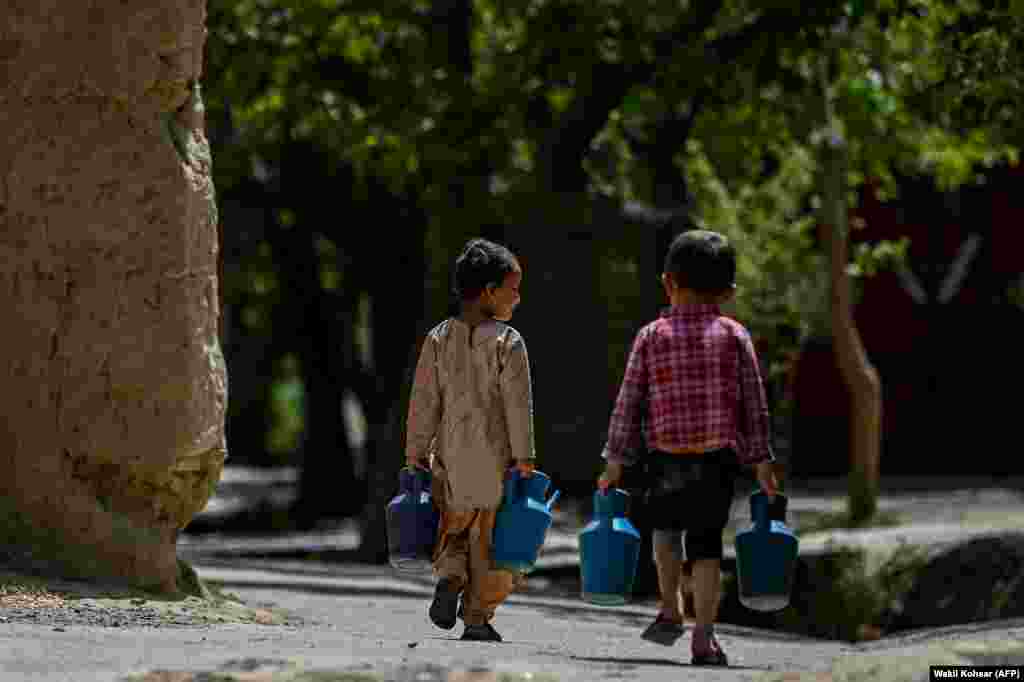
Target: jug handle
x=761, y=512
x=520, y=484
x=515, y=491
x=420, y=481
x=553, y=499
x=777, y=509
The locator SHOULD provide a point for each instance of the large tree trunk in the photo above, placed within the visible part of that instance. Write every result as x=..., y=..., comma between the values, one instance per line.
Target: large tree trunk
x=114, y=385
x=859, y=375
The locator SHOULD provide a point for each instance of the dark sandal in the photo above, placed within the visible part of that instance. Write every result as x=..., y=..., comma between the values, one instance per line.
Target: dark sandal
x=480, y=633
x=445, y=605
x=712, y=657
x=663, y=631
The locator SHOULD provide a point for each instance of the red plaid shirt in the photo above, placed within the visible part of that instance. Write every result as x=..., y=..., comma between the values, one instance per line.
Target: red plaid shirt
x=692, y=383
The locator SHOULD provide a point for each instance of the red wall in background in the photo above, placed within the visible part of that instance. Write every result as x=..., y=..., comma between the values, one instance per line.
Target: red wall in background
x=950, y=371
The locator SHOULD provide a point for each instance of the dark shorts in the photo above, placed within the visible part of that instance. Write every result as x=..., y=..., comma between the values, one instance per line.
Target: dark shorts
x=692, y=494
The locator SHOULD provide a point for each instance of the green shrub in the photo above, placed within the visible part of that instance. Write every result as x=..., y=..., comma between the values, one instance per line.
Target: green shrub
x=842, y=596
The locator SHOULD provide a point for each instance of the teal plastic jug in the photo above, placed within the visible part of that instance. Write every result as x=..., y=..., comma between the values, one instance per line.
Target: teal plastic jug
x=609, y=550
x=522, y=522
x=766, y=556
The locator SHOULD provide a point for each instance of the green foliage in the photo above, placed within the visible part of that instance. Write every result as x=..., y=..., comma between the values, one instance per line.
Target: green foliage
x=870, y=259
x=778, y=269
x=287, y=410
x=850, y=594
x=479, y=109
x=189, y=582
x=393, y=90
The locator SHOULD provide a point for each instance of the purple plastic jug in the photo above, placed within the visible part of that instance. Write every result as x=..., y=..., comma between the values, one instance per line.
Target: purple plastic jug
x=412, y=522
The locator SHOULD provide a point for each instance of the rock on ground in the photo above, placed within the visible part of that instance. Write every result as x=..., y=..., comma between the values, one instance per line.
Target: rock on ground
x=977, y=581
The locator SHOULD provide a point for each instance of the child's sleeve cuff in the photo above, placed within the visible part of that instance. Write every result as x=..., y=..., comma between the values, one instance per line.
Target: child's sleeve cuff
x=764, y=457
x=620, y=458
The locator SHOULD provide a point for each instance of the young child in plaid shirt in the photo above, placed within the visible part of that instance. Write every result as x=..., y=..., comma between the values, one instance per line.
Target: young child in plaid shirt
x=693, y=391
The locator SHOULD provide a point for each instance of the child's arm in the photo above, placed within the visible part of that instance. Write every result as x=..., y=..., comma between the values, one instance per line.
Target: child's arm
x=624, y=427
x=424, y=408
x=755, y=422
x=517, y=395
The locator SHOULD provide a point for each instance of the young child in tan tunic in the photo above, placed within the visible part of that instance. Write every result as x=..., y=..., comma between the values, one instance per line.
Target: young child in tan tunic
x=470, y=419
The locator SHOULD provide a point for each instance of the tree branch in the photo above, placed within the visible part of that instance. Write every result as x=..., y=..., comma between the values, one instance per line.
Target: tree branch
x=565, y=146
x=451, y=26
x=694, y=24
x=337, y=73
x=778, y=24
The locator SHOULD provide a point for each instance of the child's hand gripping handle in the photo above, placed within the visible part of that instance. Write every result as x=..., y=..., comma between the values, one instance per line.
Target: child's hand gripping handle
x=610, y=478
x=525, y=468
x=413, y=464
x=766, y=478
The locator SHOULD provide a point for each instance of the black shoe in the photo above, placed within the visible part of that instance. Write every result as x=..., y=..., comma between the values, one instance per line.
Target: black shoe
x=445, y=604
x=663, y=632
x=481, y=633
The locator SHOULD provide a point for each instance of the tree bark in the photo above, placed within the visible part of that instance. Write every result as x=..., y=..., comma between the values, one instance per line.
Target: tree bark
x=112, y=431
x=859, y=375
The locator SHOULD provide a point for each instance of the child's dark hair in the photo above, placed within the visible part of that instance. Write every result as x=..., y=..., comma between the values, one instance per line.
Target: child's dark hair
x=481, y=264
x=703, y=261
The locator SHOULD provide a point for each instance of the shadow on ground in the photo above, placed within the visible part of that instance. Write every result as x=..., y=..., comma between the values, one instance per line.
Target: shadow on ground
x=664, y=662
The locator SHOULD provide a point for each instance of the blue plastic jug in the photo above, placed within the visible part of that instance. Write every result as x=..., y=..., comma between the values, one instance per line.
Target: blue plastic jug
x=609, y=550
x=522, y=522
x=766, y=556
x=412, y=523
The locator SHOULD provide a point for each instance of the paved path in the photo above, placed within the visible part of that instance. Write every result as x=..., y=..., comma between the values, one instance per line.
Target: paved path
x=372, y=637
x=364, y=624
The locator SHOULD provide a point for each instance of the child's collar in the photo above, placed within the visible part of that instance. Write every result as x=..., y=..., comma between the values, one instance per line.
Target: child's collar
x=482, y=332
x=691, y=309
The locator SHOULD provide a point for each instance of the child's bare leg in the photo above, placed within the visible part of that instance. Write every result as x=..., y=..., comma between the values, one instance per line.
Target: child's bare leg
x=668, y=559
x=668, y=554
x=707, y=579
x=686, y=588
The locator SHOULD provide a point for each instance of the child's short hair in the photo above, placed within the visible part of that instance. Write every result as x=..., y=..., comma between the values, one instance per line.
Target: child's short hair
x=703, y=261
x=481, y=264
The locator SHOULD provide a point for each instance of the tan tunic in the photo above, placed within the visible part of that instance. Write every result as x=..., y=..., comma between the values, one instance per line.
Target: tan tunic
x=472, y=408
